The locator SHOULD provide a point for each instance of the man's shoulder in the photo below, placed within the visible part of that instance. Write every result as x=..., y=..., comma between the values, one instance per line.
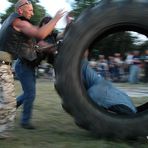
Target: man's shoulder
x=14, y=14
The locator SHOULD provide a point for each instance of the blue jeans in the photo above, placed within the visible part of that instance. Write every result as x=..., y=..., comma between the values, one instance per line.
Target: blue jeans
x=134, y=74
x=26, y=75
x=103, y=92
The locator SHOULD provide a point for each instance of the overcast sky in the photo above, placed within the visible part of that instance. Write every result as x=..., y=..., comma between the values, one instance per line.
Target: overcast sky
x=51, y=6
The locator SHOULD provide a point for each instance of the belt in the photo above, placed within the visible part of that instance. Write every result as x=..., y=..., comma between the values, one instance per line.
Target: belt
x=5, y=63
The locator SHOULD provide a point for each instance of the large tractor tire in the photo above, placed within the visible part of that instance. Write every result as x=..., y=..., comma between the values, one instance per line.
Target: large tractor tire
x=108, y=16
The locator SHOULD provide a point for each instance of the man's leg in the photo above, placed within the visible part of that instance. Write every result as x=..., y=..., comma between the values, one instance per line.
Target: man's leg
x=106, y=95
x=7, y=101
x=27, y=78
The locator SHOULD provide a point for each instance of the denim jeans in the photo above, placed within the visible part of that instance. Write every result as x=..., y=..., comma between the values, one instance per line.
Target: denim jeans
x=134, y=74
x=26, y=75
x=103, y=92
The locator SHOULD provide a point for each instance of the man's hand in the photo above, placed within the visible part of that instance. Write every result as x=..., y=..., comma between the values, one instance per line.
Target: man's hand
x=59, y=14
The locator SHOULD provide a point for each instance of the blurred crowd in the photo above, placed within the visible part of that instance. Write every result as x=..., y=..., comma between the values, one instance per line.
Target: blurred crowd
x=132, y=68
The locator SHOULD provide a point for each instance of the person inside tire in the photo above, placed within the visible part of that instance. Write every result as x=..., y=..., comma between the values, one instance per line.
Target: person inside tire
x=104, y=93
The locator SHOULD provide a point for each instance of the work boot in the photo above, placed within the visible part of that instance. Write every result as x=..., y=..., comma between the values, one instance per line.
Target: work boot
x=18, y=103
x=28, y=126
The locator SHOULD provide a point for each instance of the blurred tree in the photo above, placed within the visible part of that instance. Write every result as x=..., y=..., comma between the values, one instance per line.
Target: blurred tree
x=120, y=42
x=143, y=46
x=39, y=11
x=80, y=5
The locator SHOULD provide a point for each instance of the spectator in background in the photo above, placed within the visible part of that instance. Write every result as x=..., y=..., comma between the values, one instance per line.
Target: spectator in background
x=129, y=58
x=69, y=17
x=118, y=67
x=127, y=63
x=69, y=20
x=102, y=66
x=111, y=67
x=50, y=39
x=146, y=66
x=135, y=69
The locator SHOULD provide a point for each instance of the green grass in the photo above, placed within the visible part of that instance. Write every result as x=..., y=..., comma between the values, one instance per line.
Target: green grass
x=55, y=128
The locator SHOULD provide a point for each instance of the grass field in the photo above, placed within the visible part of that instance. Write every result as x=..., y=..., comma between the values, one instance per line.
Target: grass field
x=55, y=128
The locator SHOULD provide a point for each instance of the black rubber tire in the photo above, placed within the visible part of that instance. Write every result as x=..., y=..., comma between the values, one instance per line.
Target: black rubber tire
x=106, y=17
